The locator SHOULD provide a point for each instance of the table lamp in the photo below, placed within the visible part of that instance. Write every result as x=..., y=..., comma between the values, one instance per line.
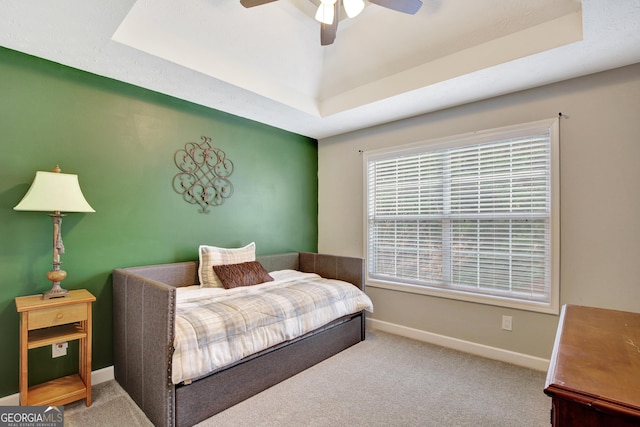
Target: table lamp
x=57, y=192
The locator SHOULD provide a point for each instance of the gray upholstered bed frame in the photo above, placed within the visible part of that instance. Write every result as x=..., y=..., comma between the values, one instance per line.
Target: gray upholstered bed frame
x=144, y=318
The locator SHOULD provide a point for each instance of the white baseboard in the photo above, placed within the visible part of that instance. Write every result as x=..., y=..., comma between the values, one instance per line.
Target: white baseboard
x=495, y=353
x=97, y=377
x=102, y=375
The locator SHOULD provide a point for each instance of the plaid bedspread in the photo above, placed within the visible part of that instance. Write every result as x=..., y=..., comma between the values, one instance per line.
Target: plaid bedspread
x=216, y=327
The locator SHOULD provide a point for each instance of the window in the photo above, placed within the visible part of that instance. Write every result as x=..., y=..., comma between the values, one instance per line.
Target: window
x=472, y=217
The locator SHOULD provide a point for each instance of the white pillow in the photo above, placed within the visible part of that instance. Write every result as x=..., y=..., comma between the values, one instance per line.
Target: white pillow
x=212, y=255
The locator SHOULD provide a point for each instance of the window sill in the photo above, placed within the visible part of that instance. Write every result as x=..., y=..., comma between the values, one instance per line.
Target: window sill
x=552, y=308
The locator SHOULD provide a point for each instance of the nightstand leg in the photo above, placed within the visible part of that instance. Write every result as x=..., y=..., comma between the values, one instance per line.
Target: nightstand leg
x=85, y=359
x=24, y=363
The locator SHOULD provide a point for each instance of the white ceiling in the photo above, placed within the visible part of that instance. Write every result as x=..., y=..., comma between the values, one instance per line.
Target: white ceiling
x=266, y=63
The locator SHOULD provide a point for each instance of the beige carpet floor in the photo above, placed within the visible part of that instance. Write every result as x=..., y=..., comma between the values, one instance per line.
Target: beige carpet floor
x=385, y=380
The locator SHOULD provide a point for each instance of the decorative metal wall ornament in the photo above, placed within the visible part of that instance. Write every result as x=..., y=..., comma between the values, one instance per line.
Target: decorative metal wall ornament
x=204, y=176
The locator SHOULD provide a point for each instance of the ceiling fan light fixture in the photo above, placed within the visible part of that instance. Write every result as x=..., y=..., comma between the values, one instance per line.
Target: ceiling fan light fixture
x=329, y=12
x=353, y=7
x=325, y=12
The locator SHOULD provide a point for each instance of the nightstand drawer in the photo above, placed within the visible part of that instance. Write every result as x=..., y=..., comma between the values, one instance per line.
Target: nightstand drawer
x=57, y=316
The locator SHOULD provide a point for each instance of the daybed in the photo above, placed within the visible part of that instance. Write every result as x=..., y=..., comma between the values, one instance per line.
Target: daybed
x=144, y=301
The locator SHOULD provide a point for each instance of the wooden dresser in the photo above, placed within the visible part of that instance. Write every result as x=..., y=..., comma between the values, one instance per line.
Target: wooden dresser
x=594, y=374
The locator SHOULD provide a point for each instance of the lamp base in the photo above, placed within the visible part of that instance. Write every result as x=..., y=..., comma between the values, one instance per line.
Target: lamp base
x=55, y=292
x=56, y=276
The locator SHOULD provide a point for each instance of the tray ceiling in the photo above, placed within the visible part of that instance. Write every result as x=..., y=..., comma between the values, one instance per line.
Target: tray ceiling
x=266, y=63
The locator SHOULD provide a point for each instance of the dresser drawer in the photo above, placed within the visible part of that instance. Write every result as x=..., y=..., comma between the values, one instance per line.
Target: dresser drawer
x=57, y=316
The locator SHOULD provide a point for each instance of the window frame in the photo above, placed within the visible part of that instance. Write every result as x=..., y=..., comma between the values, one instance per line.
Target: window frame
x=468, y=139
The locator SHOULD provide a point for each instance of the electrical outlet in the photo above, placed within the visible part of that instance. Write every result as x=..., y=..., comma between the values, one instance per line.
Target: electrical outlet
x=507, y=323
x=59, y=349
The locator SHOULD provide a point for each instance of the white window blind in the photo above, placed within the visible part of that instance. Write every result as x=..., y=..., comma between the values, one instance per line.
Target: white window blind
x=472, y=217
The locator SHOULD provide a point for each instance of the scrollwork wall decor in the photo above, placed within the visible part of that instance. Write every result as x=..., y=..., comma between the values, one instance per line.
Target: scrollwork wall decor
x=204, y=176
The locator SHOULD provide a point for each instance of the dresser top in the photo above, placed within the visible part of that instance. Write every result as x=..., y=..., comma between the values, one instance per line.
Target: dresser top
x=596, y=357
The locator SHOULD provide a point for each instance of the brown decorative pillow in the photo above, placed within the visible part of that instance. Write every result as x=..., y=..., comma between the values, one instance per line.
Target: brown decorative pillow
x=242, y=274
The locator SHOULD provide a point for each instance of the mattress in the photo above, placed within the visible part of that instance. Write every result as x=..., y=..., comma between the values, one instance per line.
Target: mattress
x=216, y=327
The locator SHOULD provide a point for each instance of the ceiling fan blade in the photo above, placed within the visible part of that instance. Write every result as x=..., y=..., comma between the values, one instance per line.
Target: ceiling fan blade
x=328, y=31
x=252, y=3
x=404, y=6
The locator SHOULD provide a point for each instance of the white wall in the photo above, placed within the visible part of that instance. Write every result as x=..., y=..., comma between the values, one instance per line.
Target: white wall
x=600, y=205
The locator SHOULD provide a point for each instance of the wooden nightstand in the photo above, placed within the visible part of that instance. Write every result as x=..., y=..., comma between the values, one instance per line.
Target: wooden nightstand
x=48, y=321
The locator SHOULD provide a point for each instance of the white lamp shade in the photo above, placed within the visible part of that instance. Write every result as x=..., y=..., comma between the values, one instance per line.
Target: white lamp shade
x=53, y=191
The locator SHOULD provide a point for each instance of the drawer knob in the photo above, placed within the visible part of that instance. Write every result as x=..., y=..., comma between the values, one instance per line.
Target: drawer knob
x=59, y=316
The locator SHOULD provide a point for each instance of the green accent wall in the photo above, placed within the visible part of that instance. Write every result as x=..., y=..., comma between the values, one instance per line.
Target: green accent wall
x=121, y=140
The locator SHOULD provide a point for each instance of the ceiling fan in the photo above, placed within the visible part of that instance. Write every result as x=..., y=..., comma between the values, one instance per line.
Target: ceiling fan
x=329, y=12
